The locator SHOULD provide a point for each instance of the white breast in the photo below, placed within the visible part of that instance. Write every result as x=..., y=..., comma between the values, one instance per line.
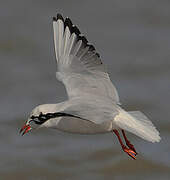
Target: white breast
x=77, y=125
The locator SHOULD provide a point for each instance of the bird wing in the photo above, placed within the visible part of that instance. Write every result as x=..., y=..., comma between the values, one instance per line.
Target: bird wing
x=95, y=110
x=79, y=66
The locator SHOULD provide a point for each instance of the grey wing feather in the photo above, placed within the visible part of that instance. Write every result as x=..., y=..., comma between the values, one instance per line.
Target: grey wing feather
x=94, y=110
x=79, y=66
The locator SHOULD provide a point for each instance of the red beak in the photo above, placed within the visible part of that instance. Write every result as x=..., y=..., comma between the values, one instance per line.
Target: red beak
x=26, y=128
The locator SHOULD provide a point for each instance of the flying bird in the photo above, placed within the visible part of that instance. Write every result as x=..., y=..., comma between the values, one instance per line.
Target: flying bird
x=93, y=103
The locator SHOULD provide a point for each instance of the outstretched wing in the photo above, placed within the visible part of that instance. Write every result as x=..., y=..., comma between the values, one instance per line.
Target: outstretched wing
x=79, y=66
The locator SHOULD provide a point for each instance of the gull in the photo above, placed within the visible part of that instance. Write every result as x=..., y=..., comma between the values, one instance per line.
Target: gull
x=93, y=103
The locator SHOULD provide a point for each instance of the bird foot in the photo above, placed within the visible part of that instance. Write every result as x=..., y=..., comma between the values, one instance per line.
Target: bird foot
x=130, y=152
x=131, y=147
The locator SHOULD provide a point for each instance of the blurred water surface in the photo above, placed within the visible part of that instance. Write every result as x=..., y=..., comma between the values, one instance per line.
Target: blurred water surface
x=133, y=40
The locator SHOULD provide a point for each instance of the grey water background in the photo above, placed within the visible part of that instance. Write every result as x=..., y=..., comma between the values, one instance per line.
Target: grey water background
x=133, y=39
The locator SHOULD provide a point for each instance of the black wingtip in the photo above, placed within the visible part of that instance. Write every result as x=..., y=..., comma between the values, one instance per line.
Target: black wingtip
x=76, y=30
x=84, y=40
x=68, y=23
x=98, y=55
x=91, y=47
x=59, y=16
x=54, y=19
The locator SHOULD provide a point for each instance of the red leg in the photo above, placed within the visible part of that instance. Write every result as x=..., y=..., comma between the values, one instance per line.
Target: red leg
x=128, y=142
x=130, y=152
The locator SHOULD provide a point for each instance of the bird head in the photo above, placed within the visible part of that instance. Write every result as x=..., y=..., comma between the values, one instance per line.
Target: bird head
x=37, y=117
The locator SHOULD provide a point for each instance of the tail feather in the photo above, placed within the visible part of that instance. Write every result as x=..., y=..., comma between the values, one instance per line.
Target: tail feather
x=137, y=123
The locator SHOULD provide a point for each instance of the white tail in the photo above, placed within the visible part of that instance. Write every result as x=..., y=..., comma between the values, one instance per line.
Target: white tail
x=137, y=123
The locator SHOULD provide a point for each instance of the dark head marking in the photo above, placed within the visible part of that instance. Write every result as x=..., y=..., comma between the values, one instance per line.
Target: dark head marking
x=44, y=117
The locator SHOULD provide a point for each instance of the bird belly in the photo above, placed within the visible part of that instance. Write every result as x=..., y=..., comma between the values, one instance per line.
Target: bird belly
x=80, y=126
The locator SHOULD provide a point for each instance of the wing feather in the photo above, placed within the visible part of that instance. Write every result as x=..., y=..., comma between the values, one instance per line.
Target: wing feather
x=79, y=66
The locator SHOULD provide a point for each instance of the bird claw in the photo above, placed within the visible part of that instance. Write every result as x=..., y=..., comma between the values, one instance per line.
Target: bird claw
x=131, y=147
x=130, y=152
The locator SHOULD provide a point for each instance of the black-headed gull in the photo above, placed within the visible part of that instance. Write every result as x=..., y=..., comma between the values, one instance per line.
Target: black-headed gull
x=93, y=102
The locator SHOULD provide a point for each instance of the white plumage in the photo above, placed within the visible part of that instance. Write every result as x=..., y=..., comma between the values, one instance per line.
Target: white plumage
x=93, y=101
x=137, y=123
x=91, y=94
x=79, y=67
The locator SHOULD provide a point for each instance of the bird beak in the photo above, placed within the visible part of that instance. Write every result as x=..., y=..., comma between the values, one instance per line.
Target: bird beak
x=26, y=128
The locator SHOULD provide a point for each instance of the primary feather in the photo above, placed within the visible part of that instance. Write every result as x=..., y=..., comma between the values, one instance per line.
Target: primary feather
x=79, y=65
